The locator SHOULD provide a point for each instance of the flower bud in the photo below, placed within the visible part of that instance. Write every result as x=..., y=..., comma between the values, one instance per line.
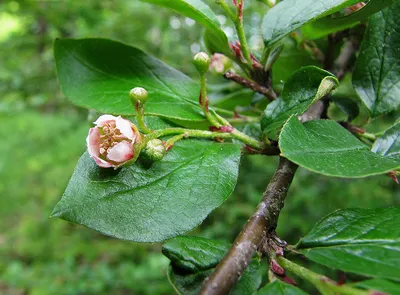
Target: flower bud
x=113, y=142
x=155, y=150
x=201, y=61
x=219, y=63
x=138, y=94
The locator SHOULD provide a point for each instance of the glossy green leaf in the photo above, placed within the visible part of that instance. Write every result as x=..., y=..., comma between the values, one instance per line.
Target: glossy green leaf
x=376, y=76
x=328, y=25
x=389, y=143
x=152, y=203
x=363, y=241
x=325, y=147
x=98, y=74
x=280, y=288
x=381, y=285
x=303, y=88
x=289, y=15
x=193, y=259
x=199, y=11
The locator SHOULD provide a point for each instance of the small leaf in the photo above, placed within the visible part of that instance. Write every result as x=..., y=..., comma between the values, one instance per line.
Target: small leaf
x=289, y=15
x=98, y=74
x=152, y=203
x=279, y=288
x=389, y=143
x=376, y=76
x=381, y=285
x=363, y=241
x=303, y=88
x=202, y=13
x=325, y=147
x=193, y=259
x=194, y=253
x=328, y=25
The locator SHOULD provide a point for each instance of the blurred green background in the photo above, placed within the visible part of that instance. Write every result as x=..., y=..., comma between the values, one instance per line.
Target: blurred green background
x=42, y=136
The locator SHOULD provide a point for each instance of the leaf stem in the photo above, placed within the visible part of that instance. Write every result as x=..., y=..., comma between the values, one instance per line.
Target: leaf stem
x=325, y=285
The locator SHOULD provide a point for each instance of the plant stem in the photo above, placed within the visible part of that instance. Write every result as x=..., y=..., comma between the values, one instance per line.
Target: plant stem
x=234, y=134
x=322, y=283
x=140, y=118
x=251, y=237
x=244, y=120
x=369, y=136
x=237, y=20
x=204, y=102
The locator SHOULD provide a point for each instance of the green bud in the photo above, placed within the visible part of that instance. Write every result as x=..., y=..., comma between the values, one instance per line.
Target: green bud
x=154, y=150
x=202, y=62
x=138, y=94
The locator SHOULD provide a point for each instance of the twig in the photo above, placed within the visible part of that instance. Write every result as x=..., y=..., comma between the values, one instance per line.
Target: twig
x=268, y=92
x=263, y=220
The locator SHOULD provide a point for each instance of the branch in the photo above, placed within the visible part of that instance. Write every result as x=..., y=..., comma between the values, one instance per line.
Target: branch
x=268, y=92
x=262, y=222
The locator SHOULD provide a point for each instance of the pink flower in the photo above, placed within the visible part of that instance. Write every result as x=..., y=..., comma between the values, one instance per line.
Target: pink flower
x=112, y=142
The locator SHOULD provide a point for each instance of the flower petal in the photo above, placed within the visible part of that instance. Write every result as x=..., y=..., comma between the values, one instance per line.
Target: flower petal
x=125, y=127
x=102, y=163
x=121, y=152
x=93, y=142
x=104, y=118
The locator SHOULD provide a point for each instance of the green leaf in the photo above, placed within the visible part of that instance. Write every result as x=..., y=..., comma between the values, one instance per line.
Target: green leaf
x=389, y=143
x=380, y=285
x=303, y=88
x=363, y=241
x=328, y=25
x=98, y=74
x=325, y=147
x=215, y=37
x=152, y=203
x=279, y=288
x=193, y=259
x=376, y=76
x=289, y=15
x=193, y=253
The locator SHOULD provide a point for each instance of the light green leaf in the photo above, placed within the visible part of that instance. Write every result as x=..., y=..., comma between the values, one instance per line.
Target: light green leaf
x=325, y=147
x=389, y=143
x=152, y=203
x=98, y=74
x=381, y=285
x=193, y=259
x=279, y=288
x=363, y=241
x=199, y=11
x=303, y=88
x=289, y=15
x=328, y=25
x=376, y=76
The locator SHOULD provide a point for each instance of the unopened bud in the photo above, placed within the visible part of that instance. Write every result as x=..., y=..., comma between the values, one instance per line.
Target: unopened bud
x=138, y=94
x=154, y=150
x=202, y=62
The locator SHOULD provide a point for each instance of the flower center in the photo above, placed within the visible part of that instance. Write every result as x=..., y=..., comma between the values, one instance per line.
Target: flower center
x=110, y=136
